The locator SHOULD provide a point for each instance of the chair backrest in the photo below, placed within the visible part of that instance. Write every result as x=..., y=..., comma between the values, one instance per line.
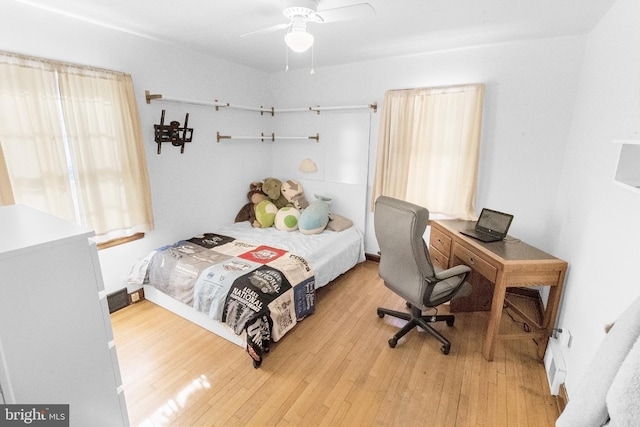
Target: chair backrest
x=405, y=265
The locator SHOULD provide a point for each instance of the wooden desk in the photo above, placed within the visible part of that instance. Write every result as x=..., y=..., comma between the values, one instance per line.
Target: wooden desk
x=508, y=263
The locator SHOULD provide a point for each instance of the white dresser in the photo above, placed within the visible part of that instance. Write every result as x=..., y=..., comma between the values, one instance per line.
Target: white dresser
x=56, y=341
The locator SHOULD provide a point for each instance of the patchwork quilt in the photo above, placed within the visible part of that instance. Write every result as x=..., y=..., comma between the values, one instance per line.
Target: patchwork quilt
x=261, y=290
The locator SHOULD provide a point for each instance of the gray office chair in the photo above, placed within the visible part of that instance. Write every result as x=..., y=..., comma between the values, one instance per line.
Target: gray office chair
x=406, y=269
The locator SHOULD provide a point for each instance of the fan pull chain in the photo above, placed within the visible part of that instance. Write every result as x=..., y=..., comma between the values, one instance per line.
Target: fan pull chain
x=286, y=52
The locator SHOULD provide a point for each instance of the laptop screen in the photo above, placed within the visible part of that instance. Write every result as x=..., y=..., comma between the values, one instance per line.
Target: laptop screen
x=494, y=222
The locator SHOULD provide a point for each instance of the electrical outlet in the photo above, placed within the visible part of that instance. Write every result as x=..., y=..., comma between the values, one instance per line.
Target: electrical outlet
x=135, y=297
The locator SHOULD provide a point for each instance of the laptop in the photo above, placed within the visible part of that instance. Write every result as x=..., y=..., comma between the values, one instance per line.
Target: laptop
x=492, y=226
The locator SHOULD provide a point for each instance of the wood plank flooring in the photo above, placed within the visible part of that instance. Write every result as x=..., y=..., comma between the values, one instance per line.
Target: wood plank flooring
x=334, y=369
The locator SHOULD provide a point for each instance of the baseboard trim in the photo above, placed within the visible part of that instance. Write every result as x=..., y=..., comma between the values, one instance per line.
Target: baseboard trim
x=372, y=257
x=562, y=399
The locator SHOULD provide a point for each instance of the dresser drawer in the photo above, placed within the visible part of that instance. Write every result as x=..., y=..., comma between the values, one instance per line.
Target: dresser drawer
x=438, y=259
x=440, y=241
x=475, y=262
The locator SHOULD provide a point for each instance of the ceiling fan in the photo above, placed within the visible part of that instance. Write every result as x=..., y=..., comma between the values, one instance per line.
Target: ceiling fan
x=301, y=12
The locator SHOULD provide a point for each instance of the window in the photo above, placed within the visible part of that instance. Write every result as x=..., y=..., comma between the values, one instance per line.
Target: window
x=428, y=148
x=72, y=145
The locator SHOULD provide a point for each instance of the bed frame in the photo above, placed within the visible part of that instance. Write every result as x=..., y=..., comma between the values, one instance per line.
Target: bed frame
x=199, y=318
x=355, y=210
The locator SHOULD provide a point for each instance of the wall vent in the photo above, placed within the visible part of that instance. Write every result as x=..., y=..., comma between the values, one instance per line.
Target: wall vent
x=118, y=300
x=554, y=365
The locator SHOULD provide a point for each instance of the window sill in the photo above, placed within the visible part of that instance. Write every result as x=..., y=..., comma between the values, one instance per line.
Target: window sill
x=120, y=241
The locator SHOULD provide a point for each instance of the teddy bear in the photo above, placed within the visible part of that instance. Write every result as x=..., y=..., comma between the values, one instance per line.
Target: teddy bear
x=272, y=187
x=248, y=212
x=293, y=192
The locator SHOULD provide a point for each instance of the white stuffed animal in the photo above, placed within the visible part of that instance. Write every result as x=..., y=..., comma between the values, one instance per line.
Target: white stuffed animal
x=293, y=192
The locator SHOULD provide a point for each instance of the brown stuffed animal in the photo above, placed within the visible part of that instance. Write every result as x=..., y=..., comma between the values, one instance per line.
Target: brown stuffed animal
x=248, y=212
x=272, y=187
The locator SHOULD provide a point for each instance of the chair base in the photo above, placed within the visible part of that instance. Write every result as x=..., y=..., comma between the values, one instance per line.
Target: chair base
x=415, y=318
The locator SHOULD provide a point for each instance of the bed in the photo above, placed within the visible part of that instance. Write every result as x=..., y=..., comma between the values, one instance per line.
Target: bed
x=248, y=285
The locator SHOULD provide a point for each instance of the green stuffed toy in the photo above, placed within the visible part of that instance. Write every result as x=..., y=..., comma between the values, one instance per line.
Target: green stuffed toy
x=272, y=187
x=266, y=213
x=287, y=219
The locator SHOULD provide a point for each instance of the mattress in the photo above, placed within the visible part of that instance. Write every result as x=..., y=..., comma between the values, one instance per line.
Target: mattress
x=330, y=253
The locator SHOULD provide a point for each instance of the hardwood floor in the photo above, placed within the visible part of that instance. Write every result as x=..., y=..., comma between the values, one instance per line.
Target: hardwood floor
x=334, y=369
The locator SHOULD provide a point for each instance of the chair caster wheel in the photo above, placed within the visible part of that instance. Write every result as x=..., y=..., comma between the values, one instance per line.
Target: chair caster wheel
x=393, y=342
x=380, y=314
x=450, y=322
x=256, y=364
x=445, y=349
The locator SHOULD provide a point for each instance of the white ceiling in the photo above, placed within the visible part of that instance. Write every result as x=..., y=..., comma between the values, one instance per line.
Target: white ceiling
x=399, y=27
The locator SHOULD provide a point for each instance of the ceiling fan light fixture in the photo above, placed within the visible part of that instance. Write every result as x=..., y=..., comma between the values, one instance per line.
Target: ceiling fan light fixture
x=299, y=11
x=298, y=40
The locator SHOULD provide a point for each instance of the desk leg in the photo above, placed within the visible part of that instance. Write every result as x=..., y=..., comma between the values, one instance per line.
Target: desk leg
x=491, y=338
x=549, y=318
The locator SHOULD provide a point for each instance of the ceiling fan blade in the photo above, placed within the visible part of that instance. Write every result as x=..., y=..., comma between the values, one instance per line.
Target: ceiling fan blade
x=267, y=30
x=344, y=13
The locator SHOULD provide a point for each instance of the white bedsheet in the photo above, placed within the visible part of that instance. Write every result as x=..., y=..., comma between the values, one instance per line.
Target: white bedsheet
x=330, y=253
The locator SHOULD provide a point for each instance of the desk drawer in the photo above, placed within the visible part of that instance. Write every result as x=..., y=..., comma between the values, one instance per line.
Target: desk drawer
x=438, y=259
x=440, y=241
x=475, y=262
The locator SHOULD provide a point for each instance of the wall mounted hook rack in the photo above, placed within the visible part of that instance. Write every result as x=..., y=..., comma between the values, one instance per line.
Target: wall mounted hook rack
x=262, y=110
x=264, y=137
x=217, y=104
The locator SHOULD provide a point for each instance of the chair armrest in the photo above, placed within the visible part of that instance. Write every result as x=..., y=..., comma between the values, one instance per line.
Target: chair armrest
x=453, y=271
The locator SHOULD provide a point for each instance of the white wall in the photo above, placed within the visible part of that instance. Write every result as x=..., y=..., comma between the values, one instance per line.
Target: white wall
x=530, y=91
x=341, y=155
x=598, y=224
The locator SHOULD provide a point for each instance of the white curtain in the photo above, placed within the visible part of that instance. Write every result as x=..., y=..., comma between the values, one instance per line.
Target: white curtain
x=32, y=137
x=6, y=193
x=428, y=148
x=73, y=144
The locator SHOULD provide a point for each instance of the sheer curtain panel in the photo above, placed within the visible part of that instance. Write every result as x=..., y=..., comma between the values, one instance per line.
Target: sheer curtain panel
x=6, y=194
x=73, y=144
x=428, y=148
